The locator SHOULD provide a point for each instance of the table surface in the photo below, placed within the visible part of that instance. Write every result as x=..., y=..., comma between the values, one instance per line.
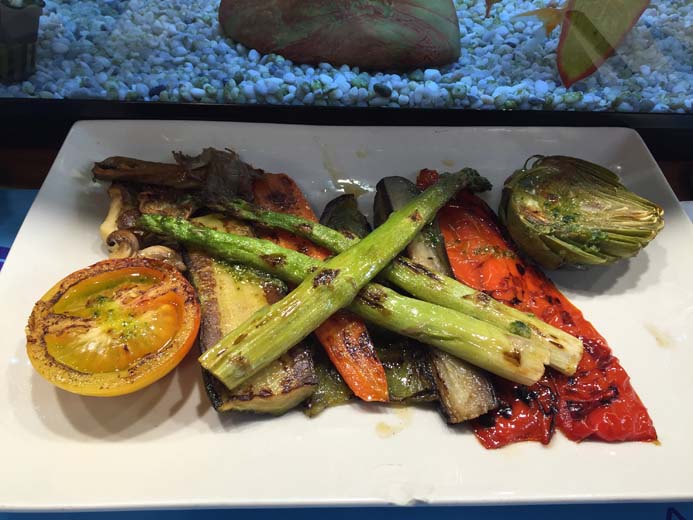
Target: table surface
x=14, y=203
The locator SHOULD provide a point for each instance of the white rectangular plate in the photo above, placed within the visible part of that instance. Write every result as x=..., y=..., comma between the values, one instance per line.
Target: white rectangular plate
x=165, y=447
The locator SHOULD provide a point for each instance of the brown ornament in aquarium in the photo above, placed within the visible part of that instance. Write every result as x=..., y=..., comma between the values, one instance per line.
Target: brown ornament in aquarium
x=371, y=34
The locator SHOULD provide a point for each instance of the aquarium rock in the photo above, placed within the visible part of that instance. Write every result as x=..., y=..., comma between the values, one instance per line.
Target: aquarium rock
x=371, y=34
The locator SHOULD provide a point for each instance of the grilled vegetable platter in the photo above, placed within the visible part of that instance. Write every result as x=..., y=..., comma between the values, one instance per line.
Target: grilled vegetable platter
x=436, y=301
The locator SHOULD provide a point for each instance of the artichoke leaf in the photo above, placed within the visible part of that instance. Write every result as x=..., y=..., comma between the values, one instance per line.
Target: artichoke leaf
x=573, y=253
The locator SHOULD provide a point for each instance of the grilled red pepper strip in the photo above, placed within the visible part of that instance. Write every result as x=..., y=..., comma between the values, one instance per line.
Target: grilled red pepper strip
x=598, y=400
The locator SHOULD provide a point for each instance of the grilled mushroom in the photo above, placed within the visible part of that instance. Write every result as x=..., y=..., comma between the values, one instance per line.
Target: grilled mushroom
x=122, y=243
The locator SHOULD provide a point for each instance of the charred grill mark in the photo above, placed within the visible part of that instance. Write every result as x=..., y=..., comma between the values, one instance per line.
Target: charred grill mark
x=504, y=410
x=273, y=293
x=283, y=201
x=265, y=392
x=524, y=394
x=247, y=395
x=550, y=408
x=515, y=301
x=374, y=298
x=415, y=216
x=488, y=420
x=325, y=277
x=556, y=344
x=352, y=347
x=514, y=356
x=306, y=228
x=419, y=269
x=287, y=384
x=366, y=345
x=612, y=397
x=520, y=268
x=240, y=338
x=580, y=409
x=269, y=234
x=262, y=322
x=567, y=318
x=241, y=362
x=551, y=300
x=482, y=298
x=274, y=260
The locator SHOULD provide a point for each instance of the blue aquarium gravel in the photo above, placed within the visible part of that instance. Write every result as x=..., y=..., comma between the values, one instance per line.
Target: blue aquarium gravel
x=173, y=51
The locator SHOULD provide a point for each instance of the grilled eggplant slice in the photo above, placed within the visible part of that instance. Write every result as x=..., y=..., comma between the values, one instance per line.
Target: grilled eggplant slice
x=229, y=294
x=427, y=248
x=464, y=391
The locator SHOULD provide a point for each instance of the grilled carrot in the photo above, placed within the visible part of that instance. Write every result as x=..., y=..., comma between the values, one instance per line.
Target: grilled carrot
x=344, y=336
x=598, y=401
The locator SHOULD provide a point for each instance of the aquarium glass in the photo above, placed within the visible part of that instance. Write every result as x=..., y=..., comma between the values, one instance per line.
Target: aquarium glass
x=557, y=55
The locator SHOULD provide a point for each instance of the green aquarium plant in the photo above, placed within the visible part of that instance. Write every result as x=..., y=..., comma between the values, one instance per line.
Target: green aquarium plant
x=590, y=33
x=563, y=211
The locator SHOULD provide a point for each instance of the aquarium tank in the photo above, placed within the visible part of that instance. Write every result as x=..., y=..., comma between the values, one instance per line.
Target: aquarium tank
x=551, y=55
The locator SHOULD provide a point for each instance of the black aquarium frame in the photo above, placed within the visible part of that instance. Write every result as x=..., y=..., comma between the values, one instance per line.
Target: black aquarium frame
x=41, y=122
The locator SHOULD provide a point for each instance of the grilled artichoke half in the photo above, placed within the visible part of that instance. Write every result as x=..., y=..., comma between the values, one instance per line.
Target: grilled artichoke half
x=566, y=212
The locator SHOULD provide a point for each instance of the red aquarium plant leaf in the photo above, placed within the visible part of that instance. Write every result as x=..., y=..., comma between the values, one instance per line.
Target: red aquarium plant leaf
x=373, y=34
x=598, y=401
x=592, y=30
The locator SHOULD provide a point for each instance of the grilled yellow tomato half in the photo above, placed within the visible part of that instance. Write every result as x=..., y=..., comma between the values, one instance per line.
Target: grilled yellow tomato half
x=114, y=327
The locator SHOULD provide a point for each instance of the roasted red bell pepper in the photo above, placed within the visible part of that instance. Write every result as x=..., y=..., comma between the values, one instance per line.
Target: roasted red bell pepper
x=598, y=401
